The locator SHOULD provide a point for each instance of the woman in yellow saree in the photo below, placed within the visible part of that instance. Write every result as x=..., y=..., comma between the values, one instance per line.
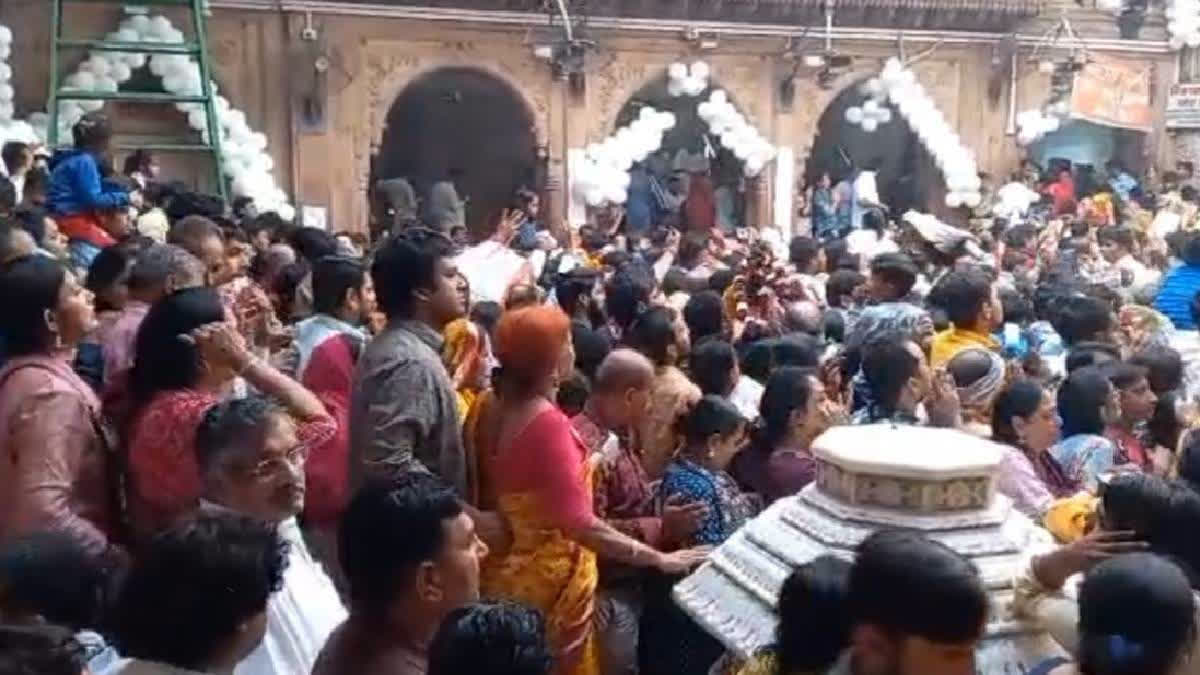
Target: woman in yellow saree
x=538, y=474
x=465, y=354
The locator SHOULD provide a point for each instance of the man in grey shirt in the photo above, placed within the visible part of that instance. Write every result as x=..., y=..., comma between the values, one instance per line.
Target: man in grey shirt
x=403, y=410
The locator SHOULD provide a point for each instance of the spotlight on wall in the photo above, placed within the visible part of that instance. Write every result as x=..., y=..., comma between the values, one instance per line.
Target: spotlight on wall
x=814, y=60
x=543, y=52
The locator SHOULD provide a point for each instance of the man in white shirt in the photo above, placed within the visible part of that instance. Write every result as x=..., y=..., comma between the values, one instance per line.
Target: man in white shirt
x=252, y=463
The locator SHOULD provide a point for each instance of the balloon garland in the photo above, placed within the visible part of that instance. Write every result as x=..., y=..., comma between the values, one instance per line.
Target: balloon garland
x=243, y=151
x=603, y=176
x=10, y=129
x=897, y=85
x=684, y=81
x=735, y=133
x=1183, y=23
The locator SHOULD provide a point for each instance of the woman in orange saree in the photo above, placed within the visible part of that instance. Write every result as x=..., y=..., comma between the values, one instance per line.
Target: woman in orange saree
x=538, y=474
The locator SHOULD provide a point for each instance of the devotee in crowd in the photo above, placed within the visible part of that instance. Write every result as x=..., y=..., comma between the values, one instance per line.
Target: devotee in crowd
x=539, y=474
x=252, y=463
x=210, y=623
x=401, y=587
x=87, y=207
x=174, y=382
x=491, y=638
x=564, y=430
x=974, y=311
x=18, y=161
x=58, y=445
x=46, y=650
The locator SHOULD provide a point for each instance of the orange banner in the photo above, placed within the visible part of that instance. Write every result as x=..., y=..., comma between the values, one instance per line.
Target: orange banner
x=1114, y=92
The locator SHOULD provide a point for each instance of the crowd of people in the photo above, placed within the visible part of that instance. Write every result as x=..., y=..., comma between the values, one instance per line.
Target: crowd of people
x=236, y=445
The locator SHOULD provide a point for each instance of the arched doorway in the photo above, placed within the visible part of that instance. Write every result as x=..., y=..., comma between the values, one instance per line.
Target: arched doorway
x=907, y=177
x=686, y=148
x=463, y=123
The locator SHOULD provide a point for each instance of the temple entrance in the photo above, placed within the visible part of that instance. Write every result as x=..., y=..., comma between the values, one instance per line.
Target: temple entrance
x=664, y=178
x=466, y=125
x=907, y=178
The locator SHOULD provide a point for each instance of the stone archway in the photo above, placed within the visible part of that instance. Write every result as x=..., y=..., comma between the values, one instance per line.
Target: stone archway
x=463, y=123
x=390, y=67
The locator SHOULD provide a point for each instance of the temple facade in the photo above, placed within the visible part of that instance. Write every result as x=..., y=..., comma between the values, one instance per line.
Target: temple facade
x=352, y=92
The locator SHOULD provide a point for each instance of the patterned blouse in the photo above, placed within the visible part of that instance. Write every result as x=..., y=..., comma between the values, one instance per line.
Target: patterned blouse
x=1083, y=457
x=728, y=507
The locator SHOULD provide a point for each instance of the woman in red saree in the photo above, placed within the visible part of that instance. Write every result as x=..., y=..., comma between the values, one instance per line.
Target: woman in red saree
x=700, y=207
x=539, y=472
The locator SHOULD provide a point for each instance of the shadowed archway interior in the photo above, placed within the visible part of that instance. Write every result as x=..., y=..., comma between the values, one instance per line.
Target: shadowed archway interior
x=461, y=121
x=841, y=148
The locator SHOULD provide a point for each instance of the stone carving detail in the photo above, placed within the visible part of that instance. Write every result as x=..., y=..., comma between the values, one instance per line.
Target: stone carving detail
x=923, y=496
x=390, y=66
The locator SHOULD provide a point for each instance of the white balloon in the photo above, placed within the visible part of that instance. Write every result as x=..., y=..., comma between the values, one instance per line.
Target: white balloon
x=870, y=124
x=675, y=88
x=197, y=119
x=719, y=97
x=6, y=35
x=954, y=200
x=884, y=115
x=82, y=80
x=870, y=107
x=160, y=26
x=127, y=35
x=6, y=93
x=677, y=71
x=98, y=64
x=701, y=71
x=1177, y=42
x=140, y=23
x=754, y=166
x=287, y=212
x=1193, y=39
x=121, y=72
x=973, y=199
x=668, y=121
x=91, y=106
x=741, y=151
x=258, y=141
x=694, y=86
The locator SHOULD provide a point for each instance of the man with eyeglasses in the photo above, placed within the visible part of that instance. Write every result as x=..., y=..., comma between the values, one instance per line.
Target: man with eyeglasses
x=252, y=463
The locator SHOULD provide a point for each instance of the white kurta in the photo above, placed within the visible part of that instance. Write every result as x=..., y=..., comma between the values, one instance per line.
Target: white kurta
x=300, y=616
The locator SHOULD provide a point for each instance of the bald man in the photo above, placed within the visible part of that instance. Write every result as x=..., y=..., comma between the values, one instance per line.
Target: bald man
x=803, y=316
x=619, y=401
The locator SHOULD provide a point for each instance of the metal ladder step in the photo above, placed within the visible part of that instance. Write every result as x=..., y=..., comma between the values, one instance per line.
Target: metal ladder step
x=196, y=48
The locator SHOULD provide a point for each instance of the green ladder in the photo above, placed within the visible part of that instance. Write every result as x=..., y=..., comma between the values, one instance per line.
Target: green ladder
x=197, y=49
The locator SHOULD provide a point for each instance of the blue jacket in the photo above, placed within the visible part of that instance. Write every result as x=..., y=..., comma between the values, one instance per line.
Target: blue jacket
x=76, y=187
x=1175, y=297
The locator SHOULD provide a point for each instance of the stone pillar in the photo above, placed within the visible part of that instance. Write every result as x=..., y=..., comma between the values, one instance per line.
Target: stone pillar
x=1186, y=142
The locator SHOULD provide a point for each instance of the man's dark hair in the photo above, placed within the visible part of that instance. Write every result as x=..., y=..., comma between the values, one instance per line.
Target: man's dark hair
x=1164, y=367
x=491, y=638
x=312, y=243
x=896, y=269
x=1190, y=251
x=194, y=584
x=137, y=161
x=841, y=283
x=1082, y=318
x=332, y=277
x=12, y=153
x=908, y=585
x=887, y=366
x=721, y=280
x=486, y=313
x=1086, y=354
x=231, y=425
x=413, y=510
x=151, y=267
x=1123, y=375
x=40, y=650
x=963, y=295
x=190, y=232
x=711, y=367
x=704, y=314
x=8, y=195
x=627, y=293
x=91, y=131
x=802, y=251
x=1019, y=236
x=52, y=575
x=1121, y=236
x=406, y=262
